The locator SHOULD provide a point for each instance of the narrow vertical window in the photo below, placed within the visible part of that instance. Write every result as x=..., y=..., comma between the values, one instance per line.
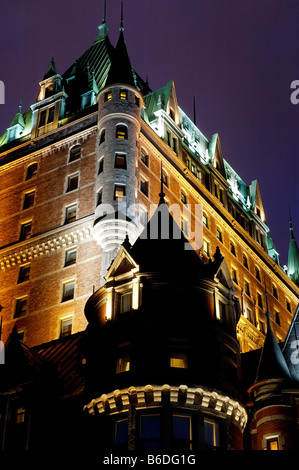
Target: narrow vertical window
x=211, y=433
x=70, y=214
x=24, y=274
x=123, y=94
x=75, y=153
x=120, y=161
x=119, y=192
x=25, y=232
x=70, y=257
x=29, y=199
x=150, y=431
x=72, y=182
x=31, y=171
x=68, y=291
x=182, y=432
x=66, y=327
x=144, y=187
x=121, y=131
x=102, y=136
x=21, y=307
x=123, y=364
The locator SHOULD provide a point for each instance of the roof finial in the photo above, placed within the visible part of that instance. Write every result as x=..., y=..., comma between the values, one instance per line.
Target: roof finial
x=194, y=111
x=161, y=194
x=291, y=225
x=104, y=15
x=122, y=17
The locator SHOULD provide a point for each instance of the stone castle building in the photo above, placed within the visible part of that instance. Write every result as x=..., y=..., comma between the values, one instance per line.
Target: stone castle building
x=98, y=159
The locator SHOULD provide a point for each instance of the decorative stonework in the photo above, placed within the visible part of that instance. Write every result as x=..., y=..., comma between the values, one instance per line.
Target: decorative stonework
x=157, y=395
x=44, y=246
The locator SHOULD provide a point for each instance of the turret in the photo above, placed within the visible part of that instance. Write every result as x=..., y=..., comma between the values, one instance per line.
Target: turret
x=119, y=122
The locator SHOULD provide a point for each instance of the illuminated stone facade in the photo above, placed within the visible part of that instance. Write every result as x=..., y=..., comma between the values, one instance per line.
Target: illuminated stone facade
x=79, y=172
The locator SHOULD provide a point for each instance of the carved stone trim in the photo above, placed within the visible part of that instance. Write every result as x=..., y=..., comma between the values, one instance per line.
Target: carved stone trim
x=157, y=395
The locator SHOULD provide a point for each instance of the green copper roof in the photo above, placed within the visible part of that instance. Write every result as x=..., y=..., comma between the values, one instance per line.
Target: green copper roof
x=293, y=257
x=157, y=100
x=18, y=119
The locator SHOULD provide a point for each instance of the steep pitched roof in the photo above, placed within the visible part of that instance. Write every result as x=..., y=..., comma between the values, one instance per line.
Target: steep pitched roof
x=121, y=70
x=272, y=364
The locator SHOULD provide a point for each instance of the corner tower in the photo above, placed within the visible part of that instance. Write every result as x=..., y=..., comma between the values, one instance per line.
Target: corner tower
x=119, y=123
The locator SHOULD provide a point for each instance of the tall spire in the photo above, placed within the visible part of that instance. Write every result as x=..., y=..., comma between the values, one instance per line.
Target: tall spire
x=122, y=17
x=293, y=255
x=103, y=30
x=120, y=69
x=194, y=111
x=104, y=13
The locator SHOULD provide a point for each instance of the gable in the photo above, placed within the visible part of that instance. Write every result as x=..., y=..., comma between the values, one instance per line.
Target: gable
x=123, y=264
x=215, y=154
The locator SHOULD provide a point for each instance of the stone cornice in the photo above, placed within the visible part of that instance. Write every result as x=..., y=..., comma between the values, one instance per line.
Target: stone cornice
x=48, y=242
x=158, y=395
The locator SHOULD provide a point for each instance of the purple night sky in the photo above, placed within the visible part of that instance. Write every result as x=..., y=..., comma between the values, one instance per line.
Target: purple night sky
x=237, y=57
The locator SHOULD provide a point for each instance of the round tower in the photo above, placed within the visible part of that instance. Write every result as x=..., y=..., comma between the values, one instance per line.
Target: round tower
x=119, y=121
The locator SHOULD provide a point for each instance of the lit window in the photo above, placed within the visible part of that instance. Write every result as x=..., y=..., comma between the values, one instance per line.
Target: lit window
x=179, y=360
x=121, y=131
x=211, y=431
x=144, y=187
x=205, y=221
x=123, y=94
x=28, y=199
x=274, y=291
x=126, y=302
x=183, y=198
x=21, y=307
x=72, y=182
x=66, y=327
x=70, y=214
x=277, y=318
x=245, y=262
x=247, y=288
x=164, y=178
x=232, y=248
x=221, y=311
x=46, y=116
x=75, y=153
x=182, y=432
x=25, y=232
x=31, y=171
x=123, y=364
x=144, y=157
x=150, y=431
x=24, y=274
x=108, y=96
x=20, y=415
x=234, y=276
x=70, y=257
x=206, y=248
x=272, y=443
x=68, y=291
x=257, y=274
x=119, y=192
x=219, y=235
x=120, y=161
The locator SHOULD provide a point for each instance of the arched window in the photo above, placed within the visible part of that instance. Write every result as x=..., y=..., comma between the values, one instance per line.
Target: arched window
x=31, y=171
x=121, y=131
x=75, y=153
x=102, y=136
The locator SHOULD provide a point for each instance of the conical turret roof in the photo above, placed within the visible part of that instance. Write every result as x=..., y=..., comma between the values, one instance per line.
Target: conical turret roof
x=272, y=363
